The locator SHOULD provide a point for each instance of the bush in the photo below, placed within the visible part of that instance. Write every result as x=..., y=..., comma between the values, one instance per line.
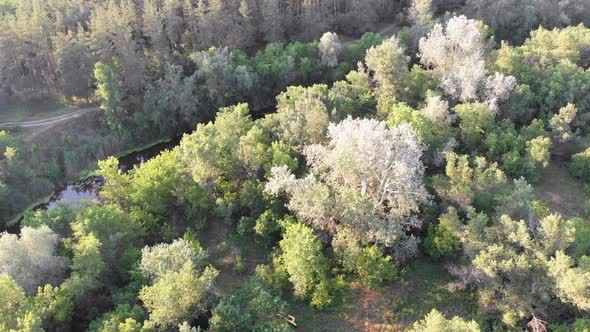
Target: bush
x=441, y=239
x=239, y=265
x=322, y=297
x=328, y=293
x=266, y=224
x=581, y=245
x=580, y=165
x=252, y=307
x=580, y=325
x=374, y=268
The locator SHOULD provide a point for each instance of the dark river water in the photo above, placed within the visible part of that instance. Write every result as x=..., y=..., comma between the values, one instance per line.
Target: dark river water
x=88, y=189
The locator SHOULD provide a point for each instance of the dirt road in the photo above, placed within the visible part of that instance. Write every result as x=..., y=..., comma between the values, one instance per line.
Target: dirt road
x=386, y=31
x=50, y=121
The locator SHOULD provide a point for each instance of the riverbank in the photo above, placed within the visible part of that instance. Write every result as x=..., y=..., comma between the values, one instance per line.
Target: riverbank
x=92, y=170
x=14, y=220
x=68, y=153
x=131, y=157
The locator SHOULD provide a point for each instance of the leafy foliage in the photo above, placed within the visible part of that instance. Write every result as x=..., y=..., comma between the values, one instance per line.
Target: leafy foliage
x=435, y=321
x=31, y=260
x=252, y=307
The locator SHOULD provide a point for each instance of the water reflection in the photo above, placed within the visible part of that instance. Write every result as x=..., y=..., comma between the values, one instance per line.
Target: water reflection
x=89, y=188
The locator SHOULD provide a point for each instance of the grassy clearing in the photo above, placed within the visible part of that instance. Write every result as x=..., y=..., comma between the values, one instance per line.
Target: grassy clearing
x=394, y=307
x=335, y=319
x=561, y=191
x=224, y=245
x=423, y=288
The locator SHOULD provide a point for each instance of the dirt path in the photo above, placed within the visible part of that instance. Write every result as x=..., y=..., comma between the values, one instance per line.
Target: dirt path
x=387, y=30
x=49, y=121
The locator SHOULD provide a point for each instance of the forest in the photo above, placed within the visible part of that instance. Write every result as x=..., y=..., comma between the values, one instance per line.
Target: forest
x=343, y=165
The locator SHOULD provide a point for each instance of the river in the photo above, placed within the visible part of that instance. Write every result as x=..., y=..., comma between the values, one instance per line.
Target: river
x=88, y=188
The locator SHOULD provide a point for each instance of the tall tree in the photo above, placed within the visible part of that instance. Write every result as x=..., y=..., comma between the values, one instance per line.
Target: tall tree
x=271, y=26
x=111, y=95
x=457, y=54
x=389, y=64
x=178, y=296
x=181, y=284
x=31, y=259
x=74, y=64
x=367, y=178
x=303, y=259
x=330, y=48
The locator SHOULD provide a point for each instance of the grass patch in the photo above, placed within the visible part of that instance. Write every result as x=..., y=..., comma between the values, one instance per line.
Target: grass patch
x=561, y=191
x=423, y=288
x=393, y=307
x=335, y=318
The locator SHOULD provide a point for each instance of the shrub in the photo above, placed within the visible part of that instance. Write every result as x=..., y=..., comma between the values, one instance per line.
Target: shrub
x=580, y=165
x=441, y=239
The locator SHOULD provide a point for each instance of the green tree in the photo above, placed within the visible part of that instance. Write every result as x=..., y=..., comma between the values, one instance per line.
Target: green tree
x=303, y=259
x=539, y=150
x=372, y=267
x=163, y=258
x=115, y=232
x=178, y=296
x=225, y=81
x=174, y=101
x=353, y=97
x=14, y=301
x=561, y=123
x=124, y=319
x=87, y=265
x=110, y=95
x=572, y=279
x=117, y=183
x=581, y=245
x=475, y=121
x=252, y=307
x=433, y=135
x=8, y=6
x=156, y=184
x=74, y=62
x=442, y=239
x=509, y=258
x=223, y=154
x=390, y=67
x=551, y=64
x=302, y=116
x=436, y=322
x=580, y=165
x=465, y=184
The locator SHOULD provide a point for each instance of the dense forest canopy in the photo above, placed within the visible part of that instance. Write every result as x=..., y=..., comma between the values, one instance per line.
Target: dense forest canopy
x=331, y=175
